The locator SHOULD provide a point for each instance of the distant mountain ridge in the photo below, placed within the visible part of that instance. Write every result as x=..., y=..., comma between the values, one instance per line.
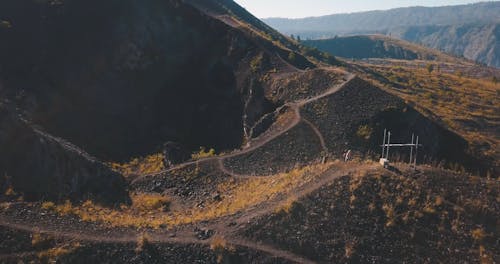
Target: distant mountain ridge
x=470, y=30
x=378, y=46
x=478, y=42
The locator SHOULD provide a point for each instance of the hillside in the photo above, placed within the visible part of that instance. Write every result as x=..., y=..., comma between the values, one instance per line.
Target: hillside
x=377, y=46
x=87, y=81
x=465, y=30
x=477, y=42
x=190, y=132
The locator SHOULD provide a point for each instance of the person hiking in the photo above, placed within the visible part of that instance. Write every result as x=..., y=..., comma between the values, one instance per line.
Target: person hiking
x=347, y=156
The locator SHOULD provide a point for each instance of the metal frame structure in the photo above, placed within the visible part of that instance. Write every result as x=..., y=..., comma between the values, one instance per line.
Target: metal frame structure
x=386, y=145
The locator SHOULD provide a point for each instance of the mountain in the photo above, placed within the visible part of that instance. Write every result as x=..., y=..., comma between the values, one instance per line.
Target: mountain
x=377, y=46
x=464, y=30
x=477, y=42
x=188, y=131
x=116, y=83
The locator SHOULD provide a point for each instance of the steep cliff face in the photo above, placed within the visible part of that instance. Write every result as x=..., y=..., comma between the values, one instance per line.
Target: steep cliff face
x=120, y=78
x=478, y=42
x=40, y=166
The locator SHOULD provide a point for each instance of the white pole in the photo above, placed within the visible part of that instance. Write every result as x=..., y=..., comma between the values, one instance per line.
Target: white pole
x=416, y=151
x=383, y=144
x=411, y=148
x=388, y=144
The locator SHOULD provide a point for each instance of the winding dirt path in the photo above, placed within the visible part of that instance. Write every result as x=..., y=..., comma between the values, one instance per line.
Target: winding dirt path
x=184, y=238
x=295, y=106
x=222, y=227
x=318, y=134
x=185, y=235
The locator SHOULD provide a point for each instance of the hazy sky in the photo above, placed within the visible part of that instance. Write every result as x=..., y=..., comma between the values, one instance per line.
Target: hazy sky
x=305, y=8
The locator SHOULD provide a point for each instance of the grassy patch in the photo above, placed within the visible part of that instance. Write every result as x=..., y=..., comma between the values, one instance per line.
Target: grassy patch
x=203, y=153
x=140, y=166
x=469, y=106
x=148, y=210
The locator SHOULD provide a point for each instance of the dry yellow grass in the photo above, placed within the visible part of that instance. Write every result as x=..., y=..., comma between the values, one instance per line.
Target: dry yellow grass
x=139, y=166
x=48, y=205
x=469, y=106
x=478, y=234
x=287, y=206
x=51, y=255
x=37, y=239
x=147, y=210
x=10, y=191
x=220, y=247
x=145, y=202
x=203, y=153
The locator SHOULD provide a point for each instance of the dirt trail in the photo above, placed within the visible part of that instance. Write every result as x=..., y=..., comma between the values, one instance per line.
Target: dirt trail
x=326, y=177
x=184, y=238
x=187, y=236
x=318, y=134
x=222, y=227
x=298, y=118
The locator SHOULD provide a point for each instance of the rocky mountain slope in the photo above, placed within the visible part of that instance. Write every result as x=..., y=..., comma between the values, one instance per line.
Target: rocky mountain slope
x=38, y=166
x=470, y=31
x=115, y=84
x=80, y=96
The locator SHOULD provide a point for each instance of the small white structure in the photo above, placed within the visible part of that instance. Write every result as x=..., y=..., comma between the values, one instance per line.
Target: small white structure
x=384, y=160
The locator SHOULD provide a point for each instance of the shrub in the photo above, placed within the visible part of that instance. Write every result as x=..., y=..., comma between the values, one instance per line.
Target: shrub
x=478, y=234
x=256, y=63
x=364, y=132
x=38, y=240
x=48, y=206
x=148, y=202
x=10, y=191
x=65, y=208
x=144, y=165
x=291, y=56
x=203, y=153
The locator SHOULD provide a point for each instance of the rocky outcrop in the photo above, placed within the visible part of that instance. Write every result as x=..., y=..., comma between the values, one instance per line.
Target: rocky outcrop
x=40, y=166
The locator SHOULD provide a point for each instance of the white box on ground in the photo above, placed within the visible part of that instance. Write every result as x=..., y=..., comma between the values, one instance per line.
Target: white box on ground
x=384, y=162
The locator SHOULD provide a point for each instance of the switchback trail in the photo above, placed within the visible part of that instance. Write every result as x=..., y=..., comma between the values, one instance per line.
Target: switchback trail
x=295, y=106
x=222, y=225
x=185, y=235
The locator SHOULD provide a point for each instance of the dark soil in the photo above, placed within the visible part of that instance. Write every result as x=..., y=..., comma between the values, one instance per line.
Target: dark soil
x=302, y=85
x=356, y=116
x=347, y=221
x=297, y=147
x=193, y=183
